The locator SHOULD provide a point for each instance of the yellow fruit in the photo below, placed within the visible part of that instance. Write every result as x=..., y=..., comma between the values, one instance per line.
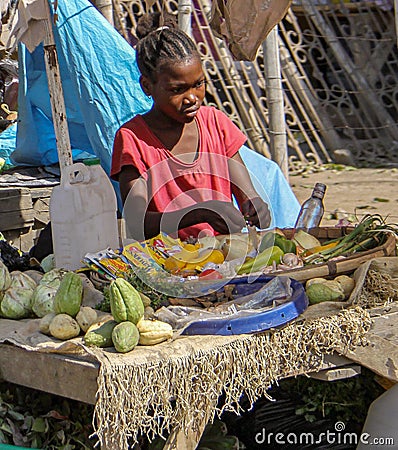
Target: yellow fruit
x=214, y=256
x=191, y=247
x=187, y=255
x=154, y=331
x=192, y=266
x=173, y=265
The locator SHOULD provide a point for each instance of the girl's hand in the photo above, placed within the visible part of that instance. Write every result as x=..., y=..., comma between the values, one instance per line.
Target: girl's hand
x=256, y=212
x=222, y=216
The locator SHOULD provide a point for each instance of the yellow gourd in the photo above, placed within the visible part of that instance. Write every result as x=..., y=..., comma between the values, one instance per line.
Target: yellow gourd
x=154, y=331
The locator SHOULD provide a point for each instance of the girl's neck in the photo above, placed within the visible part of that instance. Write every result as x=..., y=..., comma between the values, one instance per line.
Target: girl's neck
x=179, y=138
x=159, y=121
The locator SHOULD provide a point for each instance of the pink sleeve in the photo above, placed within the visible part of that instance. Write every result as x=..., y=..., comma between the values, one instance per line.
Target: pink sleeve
x=232, y=137
x=126, y=152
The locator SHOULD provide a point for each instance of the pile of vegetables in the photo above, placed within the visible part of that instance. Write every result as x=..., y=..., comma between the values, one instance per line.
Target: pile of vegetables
x=371, y=232
x=56, y=298
x=126, y=327
x=320, y=290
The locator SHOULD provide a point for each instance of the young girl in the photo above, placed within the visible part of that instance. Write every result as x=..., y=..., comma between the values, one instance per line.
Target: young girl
x=178, y=165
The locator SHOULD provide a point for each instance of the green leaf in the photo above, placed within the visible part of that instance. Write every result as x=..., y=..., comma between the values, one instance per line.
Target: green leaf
x=6, y=428
x=381, y=200
x=61, y=435
x=39, y=425
x=310, y=418
x=3, y=438
x=16, y=415
x=66, y=447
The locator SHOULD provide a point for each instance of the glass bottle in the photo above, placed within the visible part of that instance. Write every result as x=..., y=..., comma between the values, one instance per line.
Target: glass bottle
x=312, y=210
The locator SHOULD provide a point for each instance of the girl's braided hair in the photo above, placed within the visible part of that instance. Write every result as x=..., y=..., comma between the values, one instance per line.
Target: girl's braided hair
x=159, y=43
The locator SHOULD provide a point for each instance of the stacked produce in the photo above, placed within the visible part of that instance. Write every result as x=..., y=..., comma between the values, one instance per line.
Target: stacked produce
x=56, y=298
x=320, y=290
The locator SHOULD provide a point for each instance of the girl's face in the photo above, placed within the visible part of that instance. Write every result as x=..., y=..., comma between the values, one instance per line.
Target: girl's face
x=179, y=89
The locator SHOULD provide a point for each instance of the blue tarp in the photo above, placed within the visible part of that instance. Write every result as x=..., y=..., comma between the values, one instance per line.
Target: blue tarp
x=100, y=81
x=7, y=142
x=273, y=187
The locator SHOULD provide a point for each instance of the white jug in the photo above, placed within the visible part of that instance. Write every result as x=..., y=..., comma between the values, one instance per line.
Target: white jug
x=380, y=430
x=83, y=213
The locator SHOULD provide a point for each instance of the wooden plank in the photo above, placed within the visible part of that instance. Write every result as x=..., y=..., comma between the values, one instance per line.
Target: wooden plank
x=12, y=200
x=41, y=210
x=386, y=327
x=189, y=441
x=40, y=192
x=62, y=375
x=16, y=219
x=336, y=374
x=380, y=354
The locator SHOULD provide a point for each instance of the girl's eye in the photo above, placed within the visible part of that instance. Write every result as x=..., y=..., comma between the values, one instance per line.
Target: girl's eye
x=201, y=83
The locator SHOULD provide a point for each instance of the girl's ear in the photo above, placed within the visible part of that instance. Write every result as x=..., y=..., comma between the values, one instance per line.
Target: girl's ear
x=145, y=85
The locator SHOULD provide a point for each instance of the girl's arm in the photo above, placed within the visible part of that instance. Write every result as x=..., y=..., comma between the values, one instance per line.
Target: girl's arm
x=143, y=224
x=254, y=209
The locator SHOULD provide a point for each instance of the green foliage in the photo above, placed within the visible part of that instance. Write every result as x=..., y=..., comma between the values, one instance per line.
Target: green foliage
x=342, y=400
x=105, y=304
x=34, y=419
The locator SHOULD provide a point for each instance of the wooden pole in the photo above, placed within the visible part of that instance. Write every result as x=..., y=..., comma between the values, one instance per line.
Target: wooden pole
x=184, y=16
x=396, y=18
x=277, y=127
x=105, y=7
x=56, y=96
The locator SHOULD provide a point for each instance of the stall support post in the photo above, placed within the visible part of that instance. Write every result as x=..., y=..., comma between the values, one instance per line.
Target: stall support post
x=56, y=95
x=396, y=18
x=277, y=128
x=184, y=16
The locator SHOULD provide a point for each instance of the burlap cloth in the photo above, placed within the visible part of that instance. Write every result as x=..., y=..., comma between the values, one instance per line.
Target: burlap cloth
x=152, y=390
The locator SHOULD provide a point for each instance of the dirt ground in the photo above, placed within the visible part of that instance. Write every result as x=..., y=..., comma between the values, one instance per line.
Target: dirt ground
x=352, y=192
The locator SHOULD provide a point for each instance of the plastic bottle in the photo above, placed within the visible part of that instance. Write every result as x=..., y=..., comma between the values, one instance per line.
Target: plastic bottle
x=312, y=210
x=83, y=213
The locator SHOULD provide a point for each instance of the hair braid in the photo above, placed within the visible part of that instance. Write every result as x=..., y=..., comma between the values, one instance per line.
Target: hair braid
x=161, y=45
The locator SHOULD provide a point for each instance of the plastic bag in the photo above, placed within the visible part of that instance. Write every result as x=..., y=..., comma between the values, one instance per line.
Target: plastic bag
x=245, y=24
x=254, y=298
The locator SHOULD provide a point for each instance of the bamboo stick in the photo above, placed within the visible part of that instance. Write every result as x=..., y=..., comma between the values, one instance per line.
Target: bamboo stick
x=184, y=16
x=105, y=7
x=277, y=127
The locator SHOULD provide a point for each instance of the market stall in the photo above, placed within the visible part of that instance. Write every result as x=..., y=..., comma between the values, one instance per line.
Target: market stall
x=181, y=380
x=173, y=387
x=189, y=379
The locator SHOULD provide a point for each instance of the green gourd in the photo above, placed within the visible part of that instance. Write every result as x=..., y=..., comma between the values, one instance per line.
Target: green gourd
x=68, y=297
x=125, y=301
x=125, y=337
x=100, y=334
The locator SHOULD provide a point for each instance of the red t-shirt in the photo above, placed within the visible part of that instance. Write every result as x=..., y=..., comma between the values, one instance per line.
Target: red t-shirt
x=174, y=184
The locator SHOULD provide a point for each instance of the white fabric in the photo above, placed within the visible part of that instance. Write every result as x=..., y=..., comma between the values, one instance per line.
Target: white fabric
x=29, y=23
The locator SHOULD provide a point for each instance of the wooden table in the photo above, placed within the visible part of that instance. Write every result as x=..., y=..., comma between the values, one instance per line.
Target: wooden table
x=75, y=377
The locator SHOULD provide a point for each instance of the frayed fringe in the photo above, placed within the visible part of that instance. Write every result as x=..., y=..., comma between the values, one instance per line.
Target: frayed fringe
x=153, y=397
